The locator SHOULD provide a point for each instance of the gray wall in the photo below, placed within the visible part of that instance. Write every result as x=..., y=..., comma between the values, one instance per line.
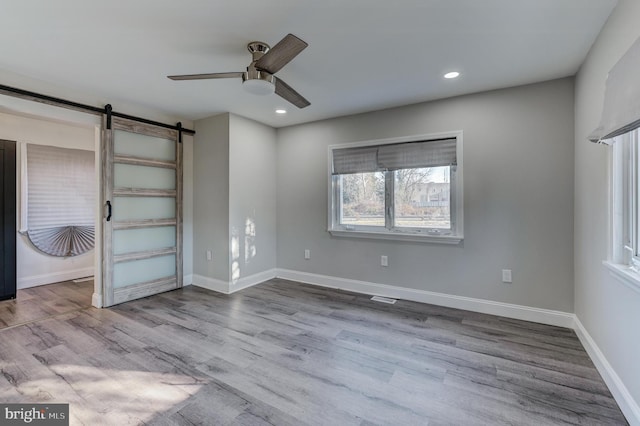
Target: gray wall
x=252, y=197
x=211, y=197
x=234, y=198
x=607, y=309
x=518, y=198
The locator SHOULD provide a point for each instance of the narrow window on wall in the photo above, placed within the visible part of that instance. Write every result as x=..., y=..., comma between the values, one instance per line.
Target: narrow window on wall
x=59, y=199
x=626, y=199
x=404, y=189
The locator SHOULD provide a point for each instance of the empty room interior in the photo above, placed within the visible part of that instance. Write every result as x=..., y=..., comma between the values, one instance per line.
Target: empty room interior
x=418, y=212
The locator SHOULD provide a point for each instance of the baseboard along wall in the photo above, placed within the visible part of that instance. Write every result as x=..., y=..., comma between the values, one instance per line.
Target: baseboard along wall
x=527, y=313
x=621, y=394
x=56, y=277
x=228, y=287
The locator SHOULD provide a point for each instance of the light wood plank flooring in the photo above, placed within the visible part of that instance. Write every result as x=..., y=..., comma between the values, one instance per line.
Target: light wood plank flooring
x=284, y=353
x=36, y=303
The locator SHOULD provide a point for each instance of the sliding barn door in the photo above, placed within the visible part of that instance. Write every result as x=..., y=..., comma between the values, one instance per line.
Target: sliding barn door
x=142, y=223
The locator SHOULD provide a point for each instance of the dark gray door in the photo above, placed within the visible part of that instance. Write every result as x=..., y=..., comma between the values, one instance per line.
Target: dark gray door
x=7, y=220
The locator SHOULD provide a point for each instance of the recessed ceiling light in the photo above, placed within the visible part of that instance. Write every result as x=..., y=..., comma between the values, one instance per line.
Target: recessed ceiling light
x=452, y=74
x=281, y=111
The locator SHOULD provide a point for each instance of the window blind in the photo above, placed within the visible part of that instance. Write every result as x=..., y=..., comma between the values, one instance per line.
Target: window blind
x=621, y=109
x=355, y=160
x=406, y=155
x=60, y=199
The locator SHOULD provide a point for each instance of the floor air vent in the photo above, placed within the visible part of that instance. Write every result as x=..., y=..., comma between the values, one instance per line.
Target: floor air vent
x=384, y=300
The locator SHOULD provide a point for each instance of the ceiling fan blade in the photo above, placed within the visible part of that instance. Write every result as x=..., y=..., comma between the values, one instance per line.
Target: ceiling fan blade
x=286, y=92
x=205, y=76
x=280, y=54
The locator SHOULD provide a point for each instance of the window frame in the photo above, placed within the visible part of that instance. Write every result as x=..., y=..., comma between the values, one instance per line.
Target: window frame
x=41, y=174
x=624, y=165
x=634, y=261
x=390, y=232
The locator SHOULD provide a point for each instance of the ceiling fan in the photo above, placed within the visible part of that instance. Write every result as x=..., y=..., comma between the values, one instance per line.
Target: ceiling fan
x=259, y=77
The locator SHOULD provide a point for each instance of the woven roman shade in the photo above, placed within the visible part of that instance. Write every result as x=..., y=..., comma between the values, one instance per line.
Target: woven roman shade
x=406, y=155
x=621, y=109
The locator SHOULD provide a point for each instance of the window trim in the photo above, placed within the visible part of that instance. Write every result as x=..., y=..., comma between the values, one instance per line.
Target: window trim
x=403, y=234
x=624, y=164
x=624, y=274
x=63, y=227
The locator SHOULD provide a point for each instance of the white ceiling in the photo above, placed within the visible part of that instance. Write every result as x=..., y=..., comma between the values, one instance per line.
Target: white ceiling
x=363, y=55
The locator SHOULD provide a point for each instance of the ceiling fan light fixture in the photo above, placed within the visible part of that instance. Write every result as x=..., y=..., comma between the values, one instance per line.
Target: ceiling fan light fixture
x=259, y=87
x=258, y=82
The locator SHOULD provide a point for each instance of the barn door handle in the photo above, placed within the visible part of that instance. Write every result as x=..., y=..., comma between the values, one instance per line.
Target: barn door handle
x=108, y=210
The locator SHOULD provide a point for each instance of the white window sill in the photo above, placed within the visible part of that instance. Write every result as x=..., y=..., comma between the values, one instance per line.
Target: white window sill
x=400, y=236
x=624, y=274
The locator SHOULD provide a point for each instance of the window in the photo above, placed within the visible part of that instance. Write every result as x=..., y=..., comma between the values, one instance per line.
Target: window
x=626, y=194
x=619, y=124
x=58, y=199
x=407, y=188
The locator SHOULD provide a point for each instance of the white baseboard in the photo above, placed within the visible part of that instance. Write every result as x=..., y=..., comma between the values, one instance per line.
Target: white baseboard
x=96, y=300
x=627, y=404
x=187, y=280
x=231, y=287
x=54, y=277
x=252, y=280
x=210, y=283
x=527, y=313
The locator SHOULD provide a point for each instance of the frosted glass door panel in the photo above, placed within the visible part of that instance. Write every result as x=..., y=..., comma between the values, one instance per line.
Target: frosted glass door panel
x=137, y=145
x=142, y=240
x=140, y=271
x=129, y=176
x=139, y=208
x=132, y=240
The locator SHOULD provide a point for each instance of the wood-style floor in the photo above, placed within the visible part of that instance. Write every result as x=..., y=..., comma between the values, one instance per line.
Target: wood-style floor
x=36, y=303
x=284, y=353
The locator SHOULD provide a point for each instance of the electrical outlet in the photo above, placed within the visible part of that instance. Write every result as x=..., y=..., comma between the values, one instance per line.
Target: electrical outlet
x=209, y=255
x=384, y=261
x=307, y=254
x=506, y=275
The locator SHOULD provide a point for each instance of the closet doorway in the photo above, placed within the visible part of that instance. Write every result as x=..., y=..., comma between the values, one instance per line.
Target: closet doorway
x=7, y=220
x=35, y=283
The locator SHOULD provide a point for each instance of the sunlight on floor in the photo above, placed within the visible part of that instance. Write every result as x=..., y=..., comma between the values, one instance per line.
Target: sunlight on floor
x=97, y=396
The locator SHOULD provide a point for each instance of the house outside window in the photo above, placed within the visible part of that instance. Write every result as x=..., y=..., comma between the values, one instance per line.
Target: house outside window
x=404, y=188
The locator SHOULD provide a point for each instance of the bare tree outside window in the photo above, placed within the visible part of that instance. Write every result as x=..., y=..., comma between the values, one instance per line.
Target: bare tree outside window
x=363, y=199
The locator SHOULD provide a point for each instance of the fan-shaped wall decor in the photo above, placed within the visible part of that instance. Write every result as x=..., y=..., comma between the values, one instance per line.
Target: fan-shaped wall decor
x=63, y=241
